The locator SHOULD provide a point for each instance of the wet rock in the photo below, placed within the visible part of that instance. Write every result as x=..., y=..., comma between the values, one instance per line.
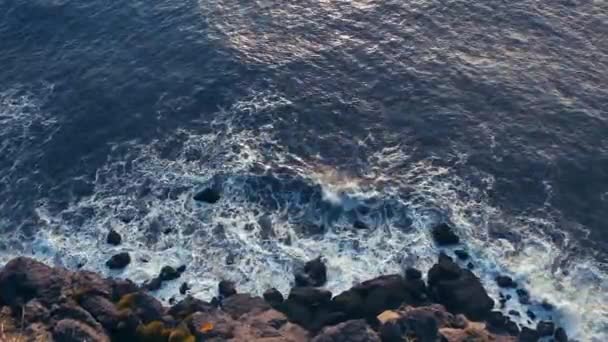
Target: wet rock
x=531, y=314
x=273, y=297
x=240, y=304
x=351, y=331
x=113, y=238
x=184, y=288
x=144, y=306
x=226, y=288
x=360, y=225
x=545, y=328
x=524, y=296
x=470, y=266
x=168, y=273
x=505, y=282
x=310, y=296
x=444, y=235
x=528, y=335
x=23, y=279
x=458, y=289
x=412, y=274
x=208, y=195
x=119, y=261
x=314, y=274
x=461, y=254
x=514, y=313
x=560, y=335
x=265, y=223
x=154, y=284
x=188, y=306
x=102, y=310
x=69, y=330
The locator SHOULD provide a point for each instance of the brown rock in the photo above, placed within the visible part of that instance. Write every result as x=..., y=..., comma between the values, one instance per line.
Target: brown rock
x=350, y=331
x=188, y=306
x=69, y=330
x=240, y=304
x=23, y=279
x=103, y=310
x=144, y=306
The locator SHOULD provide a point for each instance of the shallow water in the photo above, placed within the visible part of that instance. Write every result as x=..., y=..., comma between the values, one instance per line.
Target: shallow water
x=310, y=115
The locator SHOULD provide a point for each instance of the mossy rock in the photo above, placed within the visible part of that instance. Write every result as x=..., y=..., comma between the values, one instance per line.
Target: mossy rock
x=126, y=302
x=181, y=334
x=153, y=332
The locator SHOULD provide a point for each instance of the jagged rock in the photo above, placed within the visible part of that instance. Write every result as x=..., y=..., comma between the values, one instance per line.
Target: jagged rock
x=560, y=335
x=458, y=289
x=114, y=238
x=208, y=195
x=461, y=254
x=119, y=261
x=69, y=330
x=273, y=297
x=528, y=335
x=188, y=306
x=545, y=328
x=314, y=274
x=444, y=235
x=184, y=287
x=23, y=279
x=350, y=331
x=144, y=306
x=102, y=310
x=226, y=288
x=524, y=296
x=412, y=274
x=240, y=304
x=505, y=282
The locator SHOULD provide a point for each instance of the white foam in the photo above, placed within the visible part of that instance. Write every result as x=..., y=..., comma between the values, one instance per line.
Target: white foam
x=139, y=203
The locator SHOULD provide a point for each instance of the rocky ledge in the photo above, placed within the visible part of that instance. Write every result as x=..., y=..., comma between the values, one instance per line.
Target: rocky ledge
x=42, y=303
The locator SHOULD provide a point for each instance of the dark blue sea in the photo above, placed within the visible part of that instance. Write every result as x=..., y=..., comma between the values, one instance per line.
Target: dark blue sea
x=309, y=115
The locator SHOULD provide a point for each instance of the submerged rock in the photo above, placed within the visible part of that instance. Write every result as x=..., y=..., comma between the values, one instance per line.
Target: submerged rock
x=119, y=261
x=461, y=254
x=208, y=195
x=444, y=235
x=560, y=335
x=505, y=281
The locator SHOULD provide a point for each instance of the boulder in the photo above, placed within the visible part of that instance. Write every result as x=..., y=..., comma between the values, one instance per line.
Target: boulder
x=269, y=325
x=560, y=335
x=119, y=261
x=528, y=335
x=72, y=311
x=114, y=238
x=444, y=235
x=122, y=287
x=240, y=304
x=545, y=328
x=523, y=296
x=34, y=311
x=412, y=274
x=273, y=297
x=184, y=287
x=69, y=330
x=144, y=306
x=314, y=274
x=23, y=279
x=215, y=325
x=168, y=273
x=188, y=306
x=309, y=296
x=102, y=310
x=226, y=288
x=360, y=225
x=461, y=254
x=208, y=195
x=505, y=281
x=458, y=289
x=350, y=331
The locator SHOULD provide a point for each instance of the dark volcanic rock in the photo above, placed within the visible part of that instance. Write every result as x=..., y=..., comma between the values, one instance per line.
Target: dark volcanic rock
x=273, y=297
x=545, y=328
x=412, y=274
x=528, y=335
x=309, y=296
x=188, y=306
x=23, y=279
x=184, y=288
x=69, y=330
x=560, y=335
x=314, y=274
x=208, y=195
x=444, y=235
x=458, y=289
x=524, y=296
x=168, y=273
x=118, y=261
x=360, y=225
x=505, y=281
x=113, y=238
x=350, y=331
x=239, y=304
x=144, y=306
x=461, y=254
x=226, y=288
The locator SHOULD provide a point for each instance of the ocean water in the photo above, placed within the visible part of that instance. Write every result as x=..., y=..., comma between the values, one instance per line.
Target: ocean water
x=309, y=115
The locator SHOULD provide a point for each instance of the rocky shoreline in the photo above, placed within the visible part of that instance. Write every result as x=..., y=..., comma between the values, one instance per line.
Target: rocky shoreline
x=43, y=303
